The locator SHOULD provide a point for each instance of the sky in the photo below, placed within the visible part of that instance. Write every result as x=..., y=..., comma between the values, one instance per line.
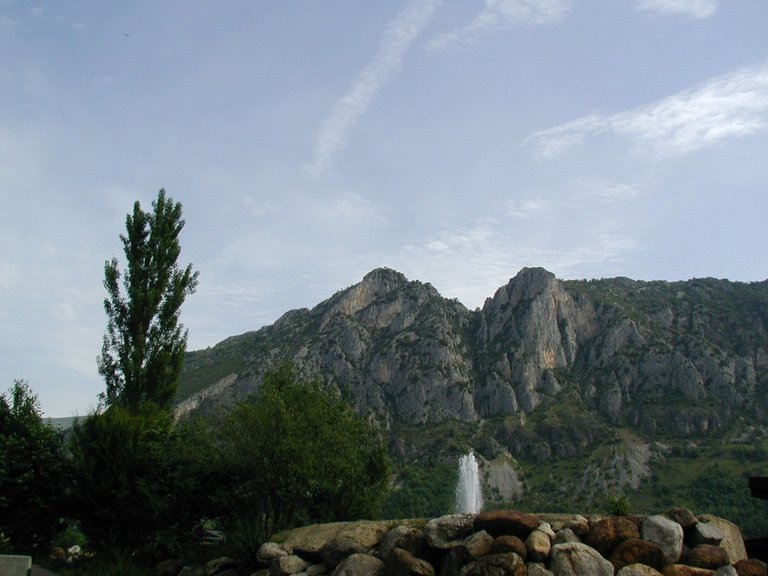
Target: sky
x=309, y=142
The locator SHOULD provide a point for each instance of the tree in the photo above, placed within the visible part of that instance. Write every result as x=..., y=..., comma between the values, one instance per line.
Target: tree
x=144, y=344
x=33, y=471
x=293, y=454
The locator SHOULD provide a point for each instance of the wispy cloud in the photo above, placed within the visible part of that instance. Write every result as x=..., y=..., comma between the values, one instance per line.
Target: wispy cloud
x=500, y=14
x=394, y=43
x=728, y=106
x=694, y=8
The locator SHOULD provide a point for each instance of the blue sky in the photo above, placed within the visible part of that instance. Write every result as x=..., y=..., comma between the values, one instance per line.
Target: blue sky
x=312, y=141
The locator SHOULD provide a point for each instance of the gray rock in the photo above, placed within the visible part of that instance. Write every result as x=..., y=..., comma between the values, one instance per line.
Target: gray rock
x=403, y=537
x=667, y=533
x=448, y=531
x=537, y=546
x=478, y=544
x=733, y=542
x=577, y=559
x=287, y=565
x=638, y=570
x=268, y=552
x=704, y=533
x=538, y=569
x=361, y=565
x=496, y=564
x=565, y=535
x=726, y=571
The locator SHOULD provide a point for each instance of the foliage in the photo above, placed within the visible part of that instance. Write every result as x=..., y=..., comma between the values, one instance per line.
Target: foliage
x=295, y=453
x=422, y=491
x=618, y=505
x=133, y=492
x=144, y=344
x=32, y=472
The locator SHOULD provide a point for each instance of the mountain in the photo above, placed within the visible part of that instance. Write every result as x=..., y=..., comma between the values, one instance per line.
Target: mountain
x=613, y=377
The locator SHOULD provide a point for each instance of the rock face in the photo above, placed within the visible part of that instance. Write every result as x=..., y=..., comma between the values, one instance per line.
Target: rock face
x=461, y=545
x=406, y=354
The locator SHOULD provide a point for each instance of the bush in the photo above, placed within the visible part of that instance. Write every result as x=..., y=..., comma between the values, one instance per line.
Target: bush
x=295, y=453
x=33, y=473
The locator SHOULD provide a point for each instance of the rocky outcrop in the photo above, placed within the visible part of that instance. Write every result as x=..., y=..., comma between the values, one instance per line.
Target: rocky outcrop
x=406, y=354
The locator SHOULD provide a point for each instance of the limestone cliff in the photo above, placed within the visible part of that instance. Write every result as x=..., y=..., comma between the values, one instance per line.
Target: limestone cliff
x=631, y=351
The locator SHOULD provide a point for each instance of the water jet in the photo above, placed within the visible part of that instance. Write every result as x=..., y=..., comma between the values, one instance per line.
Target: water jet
x=469, y=495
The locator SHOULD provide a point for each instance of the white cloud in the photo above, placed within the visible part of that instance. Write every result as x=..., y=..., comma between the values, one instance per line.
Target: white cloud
x=694, y=8
x=394, y=43
x=499, y=14
x=728, y=106
x=527, y=207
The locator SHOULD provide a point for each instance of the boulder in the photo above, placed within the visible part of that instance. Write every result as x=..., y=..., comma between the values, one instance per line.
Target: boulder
x=287, y=565
x=637, y=551
x=704, y=533
x=506, y=522
x=733, y=542
x=546, y=527
x=638, y=570
x=478, y=544
x=448, y=531
x=361, y=565
x=307, y=541
x=682, y=516
x=218, y=565
x=606, y=534
x=565, y=535
x=402, y=563
x=667, y=533
x=268, y=552
x=576, y=559
x=577, y=523
x=537, y=546
x=707, y=556
x=538, y=569
x=502, y=544
x=726, y=571
x=404, y=537
x=507, y=564
x=316, y=570
x=750, y=567
x=683, y=570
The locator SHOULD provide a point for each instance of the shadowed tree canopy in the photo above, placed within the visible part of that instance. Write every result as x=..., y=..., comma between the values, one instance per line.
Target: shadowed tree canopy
x=144, y=343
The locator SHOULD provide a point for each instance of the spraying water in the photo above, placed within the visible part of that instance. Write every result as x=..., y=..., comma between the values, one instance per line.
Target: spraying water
x=469, y=496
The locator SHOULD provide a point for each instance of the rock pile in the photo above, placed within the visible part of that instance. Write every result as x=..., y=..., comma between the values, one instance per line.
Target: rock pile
x=502, y=542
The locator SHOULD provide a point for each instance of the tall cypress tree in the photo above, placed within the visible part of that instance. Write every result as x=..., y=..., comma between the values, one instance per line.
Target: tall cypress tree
x=144, y=343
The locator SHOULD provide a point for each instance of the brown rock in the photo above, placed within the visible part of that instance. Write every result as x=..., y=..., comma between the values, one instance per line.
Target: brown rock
x=506, y=522
x=751, y=567
x=683, y=570
x=508, y=564
x=478, y=544
x=682, y=516
x=707, y=556
x=402, y=563
x=575, y=558
x=286, y=565
x=606, y=534
x=503, y=544
x=637, y=551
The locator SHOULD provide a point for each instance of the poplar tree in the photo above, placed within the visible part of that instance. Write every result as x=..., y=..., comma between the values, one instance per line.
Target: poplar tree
x=144, y=343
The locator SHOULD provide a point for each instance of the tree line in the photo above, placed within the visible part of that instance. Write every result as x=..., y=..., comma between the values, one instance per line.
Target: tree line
x=140, y=485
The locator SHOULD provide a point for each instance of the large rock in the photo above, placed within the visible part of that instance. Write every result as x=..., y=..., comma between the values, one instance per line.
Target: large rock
x=733, y=542
x=287, y=565
x=402, y=563
x=537, y=546
x=404, y=537
x=577, y=559
x=682, y=516
x=308, y=541
x=478, y=544
x=502, y=544
x=638, y=570
x=684, y=570
x=637, y=551
x=707, y=556
x=751, y=567
x=667, y=533
x=509, y=564
x=704, y=533
x=607, y=533
x=448, y=531
x=268, y=552
x=506, y=522
x=361, y=565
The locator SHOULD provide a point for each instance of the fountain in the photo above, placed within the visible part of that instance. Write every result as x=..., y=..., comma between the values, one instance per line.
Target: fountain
x=469, y=496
